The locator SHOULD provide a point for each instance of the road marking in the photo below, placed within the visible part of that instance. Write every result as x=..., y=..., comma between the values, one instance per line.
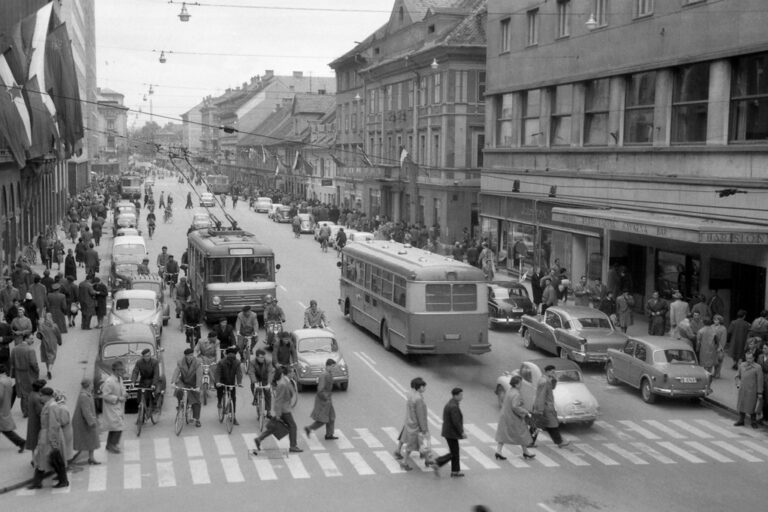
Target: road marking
x=478, y=433
x=296, y=468
x=494, y=426
x=199, y=472
x=165, y=475
x=369, y=439
x=674, y=434
x=62, y=490
x=232, y=470
x=97, y=478
x=359, y=463
x=545, y=460
x=652, y=452
x=634, y=427
x=314, y=443
x=26, y=492
x=545, y=507
x=381, y=376
x=397, y=384
x=601, y=457
x=264, y=469
x=614, y=430
x=392, y=433
x=720, y=430
x=744, y=432
x=248, y=438
x=755, y=446
x=690, y=428
x=480, y=457
x=367, y=357
x=132, y=476
x=301, y=304
x=131, y=450
x=342, y=443
x=192, y=444
x=327, y=465
x=390, y=463
x=737, y=451
x=570, y=456
x=162, y=448
x=283, y=288
x=631, y=457
x=706, y=450
x=681, y=453
x=223, y=444
x=517, y=462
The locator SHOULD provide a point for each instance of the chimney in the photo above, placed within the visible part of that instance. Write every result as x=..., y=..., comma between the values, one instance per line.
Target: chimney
x=269, y=73
x=298, y=74
x=255, y=79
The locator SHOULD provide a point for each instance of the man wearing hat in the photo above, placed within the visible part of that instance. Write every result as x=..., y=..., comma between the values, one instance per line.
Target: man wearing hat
x=47, y=280
x=146, y=374
x=19, y=278
x=678, y=311
x=24, y=369
x=247, y=325
x=8, y=295
x=87, y=298
x=453, y=430
x=272, y=313
x=38, y=292
x=189, y=374
x=143, y=268
x=56, y=305
x=228, y=372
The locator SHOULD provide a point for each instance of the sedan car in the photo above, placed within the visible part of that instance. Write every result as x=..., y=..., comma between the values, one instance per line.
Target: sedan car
x=314, y=347
x=574, y=402
x=282, y=214
x=127, y=232
x=201, y=220
x=125, y=343
x=262, y=204
x=120, y=274
x=572, y=332
x=658, y=365
x=124, y=220
x=207, y=199
x=141, y=306
x=272, y=208
x=359, y=236
x=307, y=226
x=156, y=284
x=507, y=303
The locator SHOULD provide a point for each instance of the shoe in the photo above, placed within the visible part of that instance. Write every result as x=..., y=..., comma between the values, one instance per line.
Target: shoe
x=308, y=431
x=295, y=449
x=436, y=468
x=257, y=443
x=331, y=438
x=739, y=423
x=457, y=474
x=93, y=462
x=197, y=423
x=398, y=455
x=235, y=422
x=405, y=466
x=60, y=485
x=529, y=455
x=564, y=444
x=35, y=486
x=22, y=445
x=113, y=449
x=499, y=456
x=49, y=376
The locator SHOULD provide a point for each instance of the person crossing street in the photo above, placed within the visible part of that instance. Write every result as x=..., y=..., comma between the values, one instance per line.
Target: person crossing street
x=453, y=431
x=323, y=412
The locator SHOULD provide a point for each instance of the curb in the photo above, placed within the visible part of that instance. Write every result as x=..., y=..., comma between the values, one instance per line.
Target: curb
x=719, y=405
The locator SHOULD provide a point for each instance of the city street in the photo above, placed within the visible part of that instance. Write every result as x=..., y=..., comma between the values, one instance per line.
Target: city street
x=672, y=455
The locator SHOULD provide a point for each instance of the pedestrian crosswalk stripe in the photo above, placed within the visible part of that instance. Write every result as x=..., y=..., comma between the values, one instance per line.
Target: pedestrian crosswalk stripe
x=358, y=462
x=327, y=465
x=572, y=457
x=480, y=457
x=596, y=454
x=62, y=490
x=653, y=453
x=708, y=451
x=392, y=433
x=132, y=476
x=613, y=430
x=165, y=474
x=192, y=444
x=199, y=470
x=681, y=453
x=369, y=439
x=745, y=432
x=97, y=478
x=720, y=430
x=314, y=443
x=232, y=470
x=435, y=441
x=631, y=457
x=390, y=463
x=162, y=448
x=264, y=469
x=517, y=461
x=477, y=432
x=674, y=434
x=737, y=451
x=545, y=460
x=131, y=450
x=634, y=427
x=342, y=443
x=691, y=429
x=223, y=444
x=296, y=467
x=756, y=447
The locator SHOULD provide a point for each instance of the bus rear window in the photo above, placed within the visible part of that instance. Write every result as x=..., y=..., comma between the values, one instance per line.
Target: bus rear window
x=464, y=297
x=446, y=297
x=438, y=297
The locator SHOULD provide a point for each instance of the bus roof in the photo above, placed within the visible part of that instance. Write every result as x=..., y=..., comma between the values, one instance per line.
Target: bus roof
x=410, y=262
x=221, y=242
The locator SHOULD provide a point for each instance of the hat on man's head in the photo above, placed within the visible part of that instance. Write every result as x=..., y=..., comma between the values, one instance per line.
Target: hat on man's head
x=55, y=286
x=246, y=308
x=188, y=351
x=28, y=296
x=146, y=351
x=456, y=391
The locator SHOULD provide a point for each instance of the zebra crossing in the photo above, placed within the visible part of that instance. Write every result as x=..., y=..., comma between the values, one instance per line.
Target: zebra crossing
x=210, y=458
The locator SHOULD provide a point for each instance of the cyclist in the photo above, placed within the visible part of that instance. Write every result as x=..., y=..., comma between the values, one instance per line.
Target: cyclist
x=260, y=371
x=143, y=268
x=182, y=295
x=191, y=319
x=314, y=317
x=151, y=221
x=226, y=335
x=208, y=349
x=189, y=374
x=247, y=324
x=284, y=355
x=324, y=235
x=272, y=313
x=146, y=374
x=228, y=372
x=171, y=272
x=162, y=259
x=341, y=241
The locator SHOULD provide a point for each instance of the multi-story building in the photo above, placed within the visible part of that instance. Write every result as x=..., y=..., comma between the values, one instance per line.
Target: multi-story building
x=111, y=129
x=416, y=84
x=192, y=121
x=631, y=145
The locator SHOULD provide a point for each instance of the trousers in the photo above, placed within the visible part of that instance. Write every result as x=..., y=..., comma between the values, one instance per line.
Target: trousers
x=452, y=455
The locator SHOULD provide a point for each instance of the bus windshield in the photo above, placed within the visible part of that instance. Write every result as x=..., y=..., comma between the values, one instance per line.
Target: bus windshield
x=234, y=270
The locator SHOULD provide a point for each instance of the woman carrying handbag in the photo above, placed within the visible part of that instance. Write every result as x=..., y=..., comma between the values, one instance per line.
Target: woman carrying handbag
x=513, y=426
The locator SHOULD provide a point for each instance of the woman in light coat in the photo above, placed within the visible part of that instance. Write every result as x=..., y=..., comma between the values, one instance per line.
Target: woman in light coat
x=113, y=395
x=50, y=340
x=54, y=425
x=512, y=428
x=416, y=427
x=749, y=382
x=85, y=424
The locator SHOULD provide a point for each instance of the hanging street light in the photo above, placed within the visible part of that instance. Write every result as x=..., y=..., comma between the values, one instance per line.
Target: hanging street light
x=434, y=64
x=184, y=14
x=162, y=57
x=591, y=23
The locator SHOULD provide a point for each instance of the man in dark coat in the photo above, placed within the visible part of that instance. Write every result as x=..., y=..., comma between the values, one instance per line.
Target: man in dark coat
x=47, y=280
x=453, y=430
x=56, y=305
x=101, y=300
x=323, y=412
x=91, y=260
x=544, y=411
x=25, y=370
x=86, y=296
x=738, y=331
x=536, y=288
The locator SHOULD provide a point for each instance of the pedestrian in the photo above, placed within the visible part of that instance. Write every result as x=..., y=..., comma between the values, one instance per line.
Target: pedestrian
x=323, y=412
x=96, y=229
x=189, y=201
x=624, y=304
x=722, y=337
x=282, y=397
x=24, y=370
x=50, y=341
x=548, y=296
x=707, y=346
x=7, y=425
x=21, y=326
x=85, y=424
x=86, y=296
x=544, y=411
x=656, y=309
x=50, y=454
x=415, y=431
x=34, y=409
x=762, y=361
x=513, y=427
x=39, y=292
x=738, y=331
x=678, y=311
x=114, y=395
x=101, y=301
x=749, y=382
x=70, y=264
x=92, y=260
x=582, y=293
x=80, y=249
x=453, y=431
x=56, y=305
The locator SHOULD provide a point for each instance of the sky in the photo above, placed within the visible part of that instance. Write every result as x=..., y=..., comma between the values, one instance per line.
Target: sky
x=224, y=44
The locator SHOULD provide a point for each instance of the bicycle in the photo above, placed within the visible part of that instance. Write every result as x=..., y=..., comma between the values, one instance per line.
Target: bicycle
x=184, y=410
x=206, y=384
x=192, y=334
x=170, y=280
x=259, y=400
x=151, y=229
x=245, y=344
x=154, y=409
x=324, y=244
x=227, y=410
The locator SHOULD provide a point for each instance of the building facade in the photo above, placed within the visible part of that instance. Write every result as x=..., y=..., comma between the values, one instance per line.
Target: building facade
x=111, y=129
x=604, y=155
x=192, y=121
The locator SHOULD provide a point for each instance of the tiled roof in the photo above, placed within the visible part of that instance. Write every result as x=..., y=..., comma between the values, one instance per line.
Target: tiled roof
x=471, y=30
x=279, y=126
x=418, y=8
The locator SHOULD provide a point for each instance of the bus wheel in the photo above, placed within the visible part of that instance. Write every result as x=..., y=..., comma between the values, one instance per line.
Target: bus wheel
x=385, y=340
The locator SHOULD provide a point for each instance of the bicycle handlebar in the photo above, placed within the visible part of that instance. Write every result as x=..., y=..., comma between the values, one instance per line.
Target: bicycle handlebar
x=185, y=389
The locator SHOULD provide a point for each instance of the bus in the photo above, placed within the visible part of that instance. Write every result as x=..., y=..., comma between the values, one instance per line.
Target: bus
x=415, y=301
x=130, y=186
x=218, y=183
x=228, y=269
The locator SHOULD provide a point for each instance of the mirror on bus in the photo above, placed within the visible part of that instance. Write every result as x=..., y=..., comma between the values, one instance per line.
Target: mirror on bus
x=277, y=267
x=338, y=264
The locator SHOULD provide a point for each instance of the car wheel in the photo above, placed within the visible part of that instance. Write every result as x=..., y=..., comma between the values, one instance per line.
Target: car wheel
x=386, y=342
x=589, y=423
x=562, y=353
x=610, y=375
x=646, y=392
x=500, y=392
x=527, y=340
x=344, y=386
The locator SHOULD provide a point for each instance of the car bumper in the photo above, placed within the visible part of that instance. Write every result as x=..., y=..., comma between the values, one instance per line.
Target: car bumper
x=311, y=379
x=681, y=393
x=412, y=348
x=505, y=321
x=589, y=357
x=578, y=418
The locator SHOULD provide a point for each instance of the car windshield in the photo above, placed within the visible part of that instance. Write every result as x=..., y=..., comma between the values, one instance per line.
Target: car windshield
x=125, y=349
x=155, y=287
x=129, y=249
x=681, y=356
x=326, y=345
x=568, y=375
x=124, y=304
x=591, y=322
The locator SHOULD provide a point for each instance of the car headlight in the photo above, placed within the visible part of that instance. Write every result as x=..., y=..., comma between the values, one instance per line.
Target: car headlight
x=216, y=300
x=343, y=365
x=303, y=367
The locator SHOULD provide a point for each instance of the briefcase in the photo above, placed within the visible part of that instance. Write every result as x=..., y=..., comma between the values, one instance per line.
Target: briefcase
x=278, y=428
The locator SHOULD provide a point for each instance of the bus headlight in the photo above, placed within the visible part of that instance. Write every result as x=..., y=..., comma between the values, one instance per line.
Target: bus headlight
x=216, y=300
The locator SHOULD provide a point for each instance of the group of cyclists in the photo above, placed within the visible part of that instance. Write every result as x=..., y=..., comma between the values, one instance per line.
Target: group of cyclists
x=165, y=204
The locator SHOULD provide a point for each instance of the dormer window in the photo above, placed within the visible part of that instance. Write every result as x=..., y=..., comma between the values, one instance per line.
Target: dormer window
x=431, y=29
x=376, y=51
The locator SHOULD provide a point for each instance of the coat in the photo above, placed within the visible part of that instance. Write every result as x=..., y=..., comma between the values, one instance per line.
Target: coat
x=738, y=331
x=512, y=428
x=544, y=405
x=101, y=298
x=113, y=410
x=678, y=311
x=56, y=305
x=34, y=408
x=6, y=392
x=85, y=424
x=24, y=368
x=750, y=382
x=323, y=409
x=281, y=396
x=415, y=421
x=188, y=375
x=70, y=266
x=624, y=306
x=453, y=420
x=55, y=433
x=86, y=296
x=708, y=343
x=39, y=293
x=50, y=340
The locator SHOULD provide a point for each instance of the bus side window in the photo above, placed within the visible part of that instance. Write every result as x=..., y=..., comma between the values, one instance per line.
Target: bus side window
x=399, y=291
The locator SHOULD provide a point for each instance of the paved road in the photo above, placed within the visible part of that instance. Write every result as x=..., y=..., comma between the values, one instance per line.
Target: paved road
x=640, y=457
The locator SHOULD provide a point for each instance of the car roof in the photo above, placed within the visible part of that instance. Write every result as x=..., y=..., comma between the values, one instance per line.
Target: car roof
x=558, y=363
x=577, y=311
x=135, y=294
x=207, y=194
x=127, y=333
x=313, y=333
x=129, y=240
x=662, y=342
x=154, y=278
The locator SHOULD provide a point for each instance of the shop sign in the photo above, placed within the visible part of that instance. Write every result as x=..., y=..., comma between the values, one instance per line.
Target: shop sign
x=718, y=237
x=326, y=182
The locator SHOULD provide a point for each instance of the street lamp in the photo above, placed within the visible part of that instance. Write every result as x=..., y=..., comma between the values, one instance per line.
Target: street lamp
x=184, y=14
x=162, y=57
x=434, y=64
x=591, y=23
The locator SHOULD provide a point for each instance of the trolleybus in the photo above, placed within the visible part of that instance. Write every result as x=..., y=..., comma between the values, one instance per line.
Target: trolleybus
x=218, y=183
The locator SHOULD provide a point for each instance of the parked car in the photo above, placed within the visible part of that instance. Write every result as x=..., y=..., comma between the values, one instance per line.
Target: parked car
x=314, y=348
x=262, y=204
x=507, y=303
x=127, y=232
x=272, y=208
x=142, y=306
x=572, y=332
x=307, y=225
x=282, y=214
x=201, y=220
x=156, y=284
x=207, y=199
x=125, y=342
x=574, y=403
x=359, y=236
x=658, y=365
x=124, y=220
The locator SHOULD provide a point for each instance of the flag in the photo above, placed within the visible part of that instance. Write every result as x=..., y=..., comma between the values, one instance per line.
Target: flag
x=63, y=87
x=12, y=129
x=366, y=161
x=337, y=161
x=42, y=22
x=295, y=161
x=277, y=168
x=263, y=155
x=14, y=90
x=403, y=155
x=44, y=130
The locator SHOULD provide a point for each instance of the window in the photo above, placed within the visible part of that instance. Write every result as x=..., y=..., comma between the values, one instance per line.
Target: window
x=644, y=7
x=629, y=348
x=563, y=18
x=464, y=297
x=504, y=120
x=399, y=291
x=460, y=87
x=600, y=12
x=532, y=17
x=641, y=352
x=388, y=98
x=749, y=98
x=422, y=147
x=553, y=320
x=354, y=117
x=375, y=280
x=386, y=284
x=562, y=107
x=423, y=92
x=689, y=103
x=597, y=95
x=435, y=156
x=531, y=113
x=411, y=85
x=438, y=297
x=481, y=87
x=504, y=34
x=446, y=297
x=436, y=88
x=638, y=116
x=431, y=29
x=436, y=209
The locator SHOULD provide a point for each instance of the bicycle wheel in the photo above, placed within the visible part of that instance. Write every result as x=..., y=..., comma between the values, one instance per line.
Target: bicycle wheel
x=204, y=392
x=221, y=409
x=179, y=423
x=295, y=395
x=261, y=414
x=140, y=416
x=229, y=417
x=157, y=406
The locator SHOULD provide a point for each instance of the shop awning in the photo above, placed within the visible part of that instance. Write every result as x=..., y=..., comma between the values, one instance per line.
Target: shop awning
x=678, y=227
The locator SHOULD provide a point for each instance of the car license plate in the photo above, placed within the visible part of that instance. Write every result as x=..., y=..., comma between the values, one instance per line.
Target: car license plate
x=688, y=380
x=517, y=310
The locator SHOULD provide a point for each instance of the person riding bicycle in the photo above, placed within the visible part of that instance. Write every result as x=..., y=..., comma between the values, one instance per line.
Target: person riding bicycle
x=228, y=372
x=314, y=317
x=247, y=324
x=143, y=268
x=208, y=349
x=146, y=374
x=171, y=270
x=226, y=334
x=162, y=260
x=324, y=234
x=192, y=316
x=151, y=222
x=284, y=355
x=272, y=313
x=189, y=374
x=260, y=372
x=182, y=295
x=341, y=239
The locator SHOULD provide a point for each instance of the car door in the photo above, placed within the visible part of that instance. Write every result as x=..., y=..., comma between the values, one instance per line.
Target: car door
x=637, y=363
x=565, y=337
x=621, y=361
x=552, y=321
